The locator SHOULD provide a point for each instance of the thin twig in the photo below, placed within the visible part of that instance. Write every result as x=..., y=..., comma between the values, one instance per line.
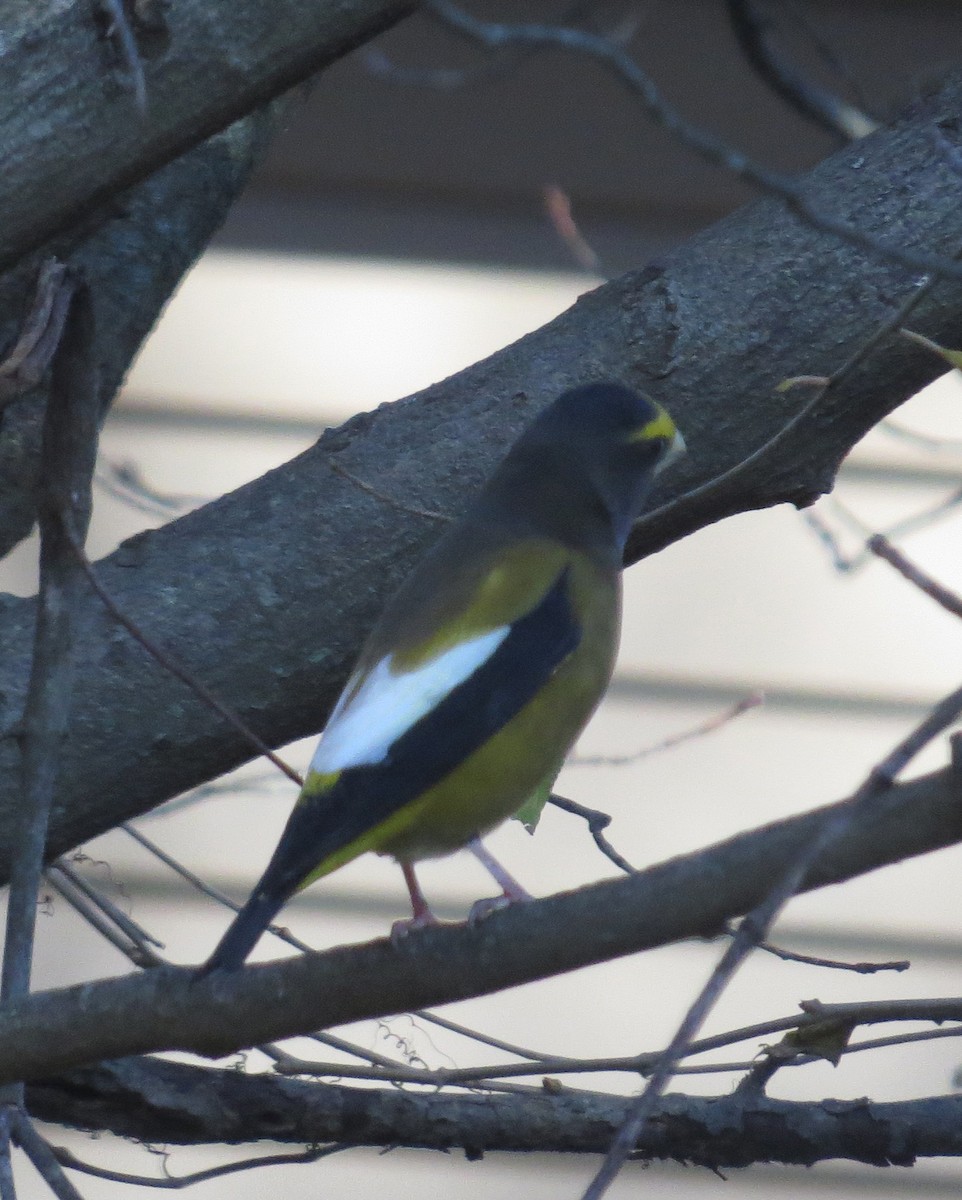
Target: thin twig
x=172, y=1182
x=98, y=922
x=923, y=441
x=712, y=725
x=597, y=822
x=831, y=964
x=43, y=1157
x=755, y=926
x=104, y=916
x=8, y=1190
x=849, y=563
x=67, y=457
x=949, y=600
x=134, y=930
x=824, y=109
x=557, y=205
x=124, y=481
x=68, y=453
x=641, y=1064
x=475, y=1035
x=450, y=79
x=494, y=36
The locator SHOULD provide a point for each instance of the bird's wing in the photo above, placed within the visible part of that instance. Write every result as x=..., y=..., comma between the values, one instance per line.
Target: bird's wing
x=366, y=776
x=384, y=702
x=428, y=645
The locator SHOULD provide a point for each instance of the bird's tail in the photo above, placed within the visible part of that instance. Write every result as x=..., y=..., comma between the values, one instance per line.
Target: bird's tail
x=244, y=932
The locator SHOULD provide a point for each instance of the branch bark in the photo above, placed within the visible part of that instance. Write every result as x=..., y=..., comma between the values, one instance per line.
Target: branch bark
x=71, y=133
x=134, y=252
x=158, y=1101
x=298, y=563
x=173, y=1009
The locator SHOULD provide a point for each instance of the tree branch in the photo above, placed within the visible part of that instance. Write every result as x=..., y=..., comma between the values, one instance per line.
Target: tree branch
x=298, y=563
x=56, y=75
x=158, y=1101
x=134, y=252
x=173, y=1009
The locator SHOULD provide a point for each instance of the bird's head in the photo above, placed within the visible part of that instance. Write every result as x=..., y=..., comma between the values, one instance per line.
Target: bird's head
x=593, y=455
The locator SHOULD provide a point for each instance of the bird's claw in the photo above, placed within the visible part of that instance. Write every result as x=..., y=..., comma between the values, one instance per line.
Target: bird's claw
x=484, y=908
x=401, y=929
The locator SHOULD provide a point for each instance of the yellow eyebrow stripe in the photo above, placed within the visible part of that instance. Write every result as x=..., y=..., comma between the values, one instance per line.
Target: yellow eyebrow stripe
x=660, y=428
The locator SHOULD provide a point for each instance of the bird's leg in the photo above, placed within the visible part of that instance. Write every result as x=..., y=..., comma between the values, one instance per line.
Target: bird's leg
x=511, y=890
x=422, y=914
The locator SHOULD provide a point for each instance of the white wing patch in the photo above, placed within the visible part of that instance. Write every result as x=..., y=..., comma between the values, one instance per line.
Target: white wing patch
x=362, y=729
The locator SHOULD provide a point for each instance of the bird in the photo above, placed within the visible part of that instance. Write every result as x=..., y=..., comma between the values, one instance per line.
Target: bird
x=484, y=666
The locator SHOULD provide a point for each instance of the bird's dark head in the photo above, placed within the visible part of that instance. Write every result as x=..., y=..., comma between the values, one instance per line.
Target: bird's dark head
x=589, y=459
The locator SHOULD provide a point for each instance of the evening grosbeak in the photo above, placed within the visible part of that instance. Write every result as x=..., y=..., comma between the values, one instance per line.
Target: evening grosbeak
x=484, y=666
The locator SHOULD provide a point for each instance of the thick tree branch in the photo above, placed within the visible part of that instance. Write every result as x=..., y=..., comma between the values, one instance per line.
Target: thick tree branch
x=71, y=134
x=158, y=1101
x=173, y=1009
x=134, y=251
x=298, y=563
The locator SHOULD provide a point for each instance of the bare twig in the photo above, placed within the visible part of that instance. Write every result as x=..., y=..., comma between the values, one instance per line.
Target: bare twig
x=494, y=36
x=597, y=822
x=755, y=926
x=923, y=441
x=831, y=964
x=450, y=79
x=63, y=500
x=712, y=725
x=69, y=447
x=8, y=1190
x=830, y=112
x=474, y=1035
x=883, y=548
x=125, y=481
x=557, y=204
x=811, y=1015
x=130, y=938
x=172, y=1182
x=849, y=563
x=43, y=1158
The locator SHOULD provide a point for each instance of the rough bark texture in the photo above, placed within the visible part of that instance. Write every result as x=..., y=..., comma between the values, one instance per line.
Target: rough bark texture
x=133, y=252
x=71, y=133
x=154, y=1100
x=172, y=1009
x=297, y=564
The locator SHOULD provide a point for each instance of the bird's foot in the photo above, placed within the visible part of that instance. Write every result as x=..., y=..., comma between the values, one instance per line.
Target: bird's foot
x=484, y=908
x=511, y=891
x=424, y=919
